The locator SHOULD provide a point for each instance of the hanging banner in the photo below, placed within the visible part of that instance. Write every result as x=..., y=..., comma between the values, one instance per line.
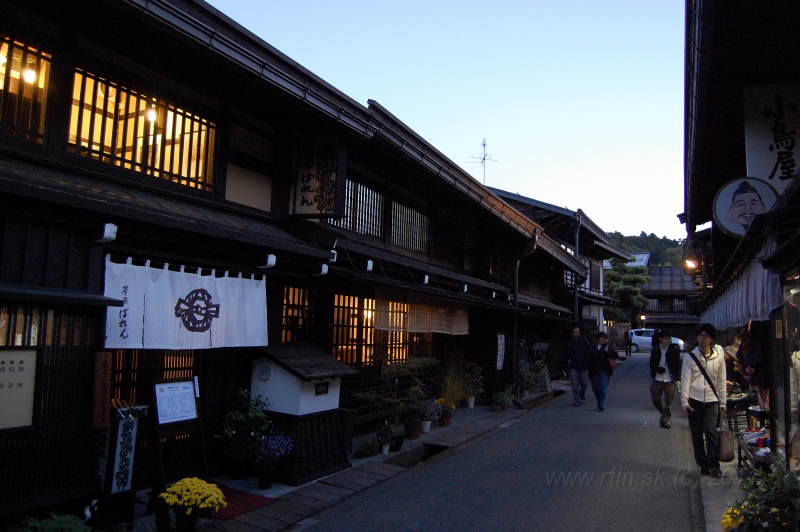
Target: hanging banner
x=772, y=127
x=164, y=309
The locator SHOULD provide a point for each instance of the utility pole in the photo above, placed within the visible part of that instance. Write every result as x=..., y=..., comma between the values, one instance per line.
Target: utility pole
x=483, y=158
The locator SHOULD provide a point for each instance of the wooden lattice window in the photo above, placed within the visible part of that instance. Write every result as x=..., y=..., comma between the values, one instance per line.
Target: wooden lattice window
x=363, y=210
x=119, y=125
x=24, y=80
x=135, y=369
x=679, y=305
x=409, y=228
x=296, y=314
x=353, y=331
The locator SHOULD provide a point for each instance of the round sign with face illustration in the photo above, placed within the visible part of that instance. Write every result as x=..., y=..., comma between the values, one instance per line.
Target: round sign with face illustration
x=739, y=201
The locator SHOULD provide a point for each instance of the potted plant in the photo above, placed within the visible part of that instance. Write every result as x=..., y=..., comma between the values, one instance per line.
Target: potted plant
x=242, y=430
x=503, y=399
x=191, y=498
x=474, y=374
x=430, y=411
x=401, y=395
x=388, y=436
x=274, y=445
x=446, y=415
x=768, y=502
x=456, y=383
x=531, y=374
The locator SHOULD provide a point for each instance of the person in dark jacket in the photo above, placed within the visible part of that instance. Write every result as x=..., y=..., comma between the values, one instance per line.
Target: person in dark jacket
x=578, y=354
x=600, y=369
x=665, y=370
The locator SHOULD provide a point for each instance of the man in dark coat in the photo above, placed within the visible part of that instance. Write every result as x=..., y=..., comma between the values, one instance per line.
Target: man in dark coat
x=578, y=353
x=665, y=370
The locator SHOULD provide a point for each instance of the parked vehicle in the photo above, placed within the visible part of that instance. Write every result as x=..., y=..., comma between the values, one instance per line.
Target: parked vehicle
x=643, y=340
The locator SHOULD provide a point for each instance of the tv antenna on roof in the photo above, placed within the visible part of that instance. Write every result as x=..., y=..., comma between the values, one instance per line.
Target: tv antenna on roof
x=483, y=158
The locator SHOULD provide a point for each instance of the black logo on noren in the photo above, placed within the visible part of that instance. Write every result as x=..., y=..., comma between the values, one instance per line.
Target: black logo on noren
x=196, y=311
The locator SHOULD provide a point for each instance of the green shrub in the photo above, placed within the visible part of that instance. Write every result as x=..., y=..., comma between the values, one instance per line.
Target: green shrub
x=55, y=523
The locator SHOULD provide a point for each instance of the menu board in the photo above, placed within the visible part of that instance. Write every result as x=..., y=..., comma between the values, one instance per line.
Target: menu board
x=17, y=379
x=175, y=401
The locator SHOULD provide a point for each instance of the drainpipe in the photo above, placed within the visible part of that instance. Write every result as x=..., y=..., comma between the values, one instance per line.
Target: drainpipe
x=575, y=307
x=515, y=333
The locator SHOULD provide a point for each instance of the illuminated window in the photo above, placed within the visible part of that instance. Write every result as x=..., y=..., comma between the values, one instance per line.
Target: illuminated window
x=296, y=314
x=24, y=79
x=353, y=331
x=363, y=209
x=121, y=126
x=409, y=228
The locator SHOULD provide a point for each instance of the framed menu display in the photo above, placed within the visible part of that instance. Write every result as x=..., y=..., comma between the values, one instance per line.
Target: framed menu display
x=17, y=380
x=175, y=400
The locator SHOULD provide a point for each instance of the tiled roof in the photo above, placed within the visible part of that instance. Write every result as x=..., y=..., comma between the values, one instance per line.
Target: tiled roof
x=668, y=279
x=307, y=361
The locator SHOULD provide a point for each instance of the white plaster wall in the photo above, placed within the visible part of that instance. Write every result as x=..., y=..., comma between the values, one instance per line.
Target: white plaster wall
x=288, y=394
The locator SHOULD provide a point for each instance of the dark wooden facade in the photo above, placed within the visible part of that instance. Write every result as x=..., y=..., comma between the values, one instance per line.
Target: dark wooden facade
x=79, y=149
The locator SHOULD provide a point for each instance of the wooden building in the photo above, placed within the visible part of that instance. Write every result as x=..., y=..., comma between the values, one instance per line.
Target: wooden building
x=149, y=142
x=741, y=130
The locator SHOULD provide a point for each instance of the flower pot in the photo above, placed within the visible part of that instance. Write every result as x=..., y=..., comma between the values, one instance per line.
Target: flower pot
x=445, y=419
x=385, y=448
x=397, y=442
x=185, y=523
x=426, y=426
x=265, y=479
x=471, y=401
x=413, y=429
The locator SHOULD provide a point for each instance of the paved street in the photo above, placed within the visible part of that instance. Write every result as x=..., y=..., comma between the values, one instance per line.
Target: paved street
x=559, y=467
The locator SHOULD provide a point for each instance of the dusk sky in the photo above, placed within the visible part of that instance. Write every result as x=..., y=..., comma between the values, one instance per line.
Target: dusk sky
x=580, y=101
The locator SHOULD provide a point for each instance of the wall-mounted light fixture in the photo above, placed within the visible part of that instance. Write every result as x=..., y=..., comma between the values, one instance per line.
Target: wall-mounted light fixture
x=271, y=260
x=466, y=287
x=369, y=265
x=691, y=264
x=335, y=255
x=494, y=295
x=109, y=234
x=322, y=271
x=425, y=280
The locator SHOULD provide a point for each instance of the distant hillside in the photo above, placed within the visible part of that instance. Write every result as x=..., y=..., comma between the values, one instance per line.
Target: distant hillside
x=663, y=251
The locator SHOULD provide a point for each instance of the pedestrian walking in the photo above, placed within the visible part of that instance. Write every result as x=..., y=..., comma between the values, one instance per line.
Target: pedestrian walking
x=601, y=368
x=628, y=342
x=578, y=351
x=665, y=370
x=703, y=398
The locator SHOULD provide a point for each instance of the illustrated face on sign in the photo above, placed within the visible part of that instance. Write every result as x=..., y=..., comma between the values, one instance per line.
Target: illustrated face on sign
x=746, y=203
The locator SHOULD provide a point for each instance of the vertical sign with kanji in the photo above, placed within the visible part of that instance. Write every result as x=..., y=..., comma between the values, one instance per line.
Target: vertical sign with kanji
x=501, y=350
x=320, y=185
x=17, y=379
x=102, y=391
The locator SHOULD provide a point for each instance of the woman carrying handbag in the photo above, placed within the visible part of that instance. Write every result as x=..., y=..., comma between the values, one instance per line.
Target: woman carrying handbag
x=703, y=398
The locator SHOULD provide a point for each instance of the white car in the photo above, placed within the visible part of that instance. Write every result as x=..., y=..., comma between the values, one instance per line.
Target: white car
x=642, y=339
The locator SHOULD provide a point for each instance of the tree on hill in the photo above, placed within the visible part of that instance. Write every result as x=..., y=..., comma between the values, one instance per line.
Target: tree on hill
x=622, y=283
x=663, y=251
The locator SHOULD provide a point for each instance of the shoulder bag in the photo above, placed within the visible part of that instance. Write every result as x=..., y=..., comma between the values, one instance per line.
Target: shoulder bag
x=727, y=445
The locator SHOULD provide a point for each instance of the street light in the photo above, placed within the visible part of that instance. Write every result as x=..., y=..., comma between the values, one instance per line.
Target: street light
x=642, y=318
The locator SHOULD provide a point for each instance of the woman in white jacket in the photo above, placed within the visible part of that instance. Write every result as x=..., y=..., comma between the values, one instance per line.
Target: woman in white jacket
x=700, y=403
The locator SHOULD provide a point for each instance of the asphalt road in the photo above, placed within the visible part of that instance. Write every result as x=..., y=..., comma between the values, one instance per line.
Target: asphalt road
x=559, y=467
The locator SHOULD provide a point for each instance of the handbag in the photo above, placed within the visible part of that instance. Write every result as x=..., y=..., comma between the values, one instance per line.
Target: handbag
x=727, y=444
x=614, y=362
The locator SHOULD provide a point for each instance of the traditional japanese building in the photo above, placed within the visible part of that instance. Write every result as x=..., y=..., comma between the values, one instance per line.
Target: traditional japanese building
x=741, y=202
x=176, y=194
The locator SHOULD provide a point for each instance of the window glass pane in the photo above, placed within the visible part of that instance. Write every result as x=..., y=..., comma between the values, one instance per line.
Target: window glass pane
x=24, y=80
x=144, y=133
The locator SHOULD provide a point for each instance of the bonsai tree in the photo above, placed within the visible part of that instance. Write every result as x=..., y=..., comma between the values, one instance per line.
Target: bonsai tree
x=402, y=391
x=244, y=427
